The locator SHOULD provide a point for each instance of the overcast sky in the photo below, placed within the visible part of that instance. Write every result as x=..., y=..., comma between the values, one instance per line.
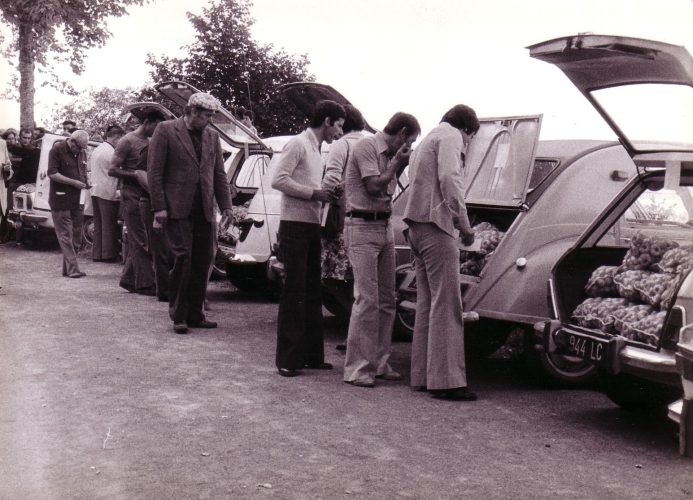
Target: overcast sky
x=419, y=56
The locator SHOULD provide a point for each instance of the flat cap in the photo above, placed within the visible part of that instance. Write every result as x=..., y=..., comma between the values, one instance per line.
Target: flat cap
x=204, y=100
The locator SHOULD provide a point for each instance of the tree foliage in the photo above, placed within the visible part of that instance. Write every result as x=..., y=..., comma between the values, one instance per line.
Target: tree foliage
x=96, y=108
x=61, y=29
x=226, y=61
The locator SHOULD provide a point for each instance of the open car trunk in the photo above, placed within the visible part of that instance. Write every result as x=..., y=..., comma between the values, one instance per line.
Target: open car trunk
x=623, y=279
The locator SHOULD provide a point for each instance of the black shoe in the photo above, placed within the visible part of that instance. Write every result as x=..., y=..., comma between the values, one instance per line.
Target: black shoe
x=288, y=372
x=149, y=291
x=77, y=275
x=202, y=324
x=180, y=327
x=457, y=394
x=319, y=366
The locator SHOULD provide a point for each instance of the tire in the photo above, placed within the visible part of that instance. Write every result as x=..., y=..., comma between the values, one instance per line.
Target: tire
x=555, y=370
x=635, y=394
x=404, y=325
x=404, y=320
x=219, y=266
x=87, y=231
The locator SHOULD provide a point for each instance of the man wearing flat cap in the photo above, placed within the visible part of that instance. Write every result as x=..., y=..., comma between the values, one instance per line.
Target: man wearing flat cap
x=67, y=170
x=185, y=171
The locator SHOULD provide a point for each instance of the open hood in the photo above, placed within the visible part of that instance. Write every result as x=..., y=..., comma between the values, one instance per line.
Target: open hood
x=305, y=94
x=228, y=126
x=500, y=159
x=642, y=88
x=140, y=109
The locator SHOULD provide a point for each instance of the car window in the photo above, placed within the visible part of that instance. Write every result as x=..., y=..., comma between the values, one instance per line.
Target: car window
x=542, y=169
x=665, y=213
x=252, y=170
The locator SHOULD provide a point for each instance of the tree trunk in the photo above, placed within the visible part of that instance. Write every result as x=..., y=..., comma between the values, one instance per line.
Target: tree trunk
x=26, y=76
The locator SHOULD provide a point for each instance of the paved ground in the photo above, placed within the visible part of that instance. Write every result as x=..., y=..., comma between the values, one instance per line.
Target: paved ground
x=99, y=399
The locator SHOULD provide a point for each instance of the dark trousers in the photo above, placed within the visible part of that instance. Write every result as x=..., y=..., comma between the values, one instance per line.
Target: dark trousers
x=299, y=325
x=190, y=248
x=158, y=249
x=138, y=272
x=106, y=229
x=68, y=229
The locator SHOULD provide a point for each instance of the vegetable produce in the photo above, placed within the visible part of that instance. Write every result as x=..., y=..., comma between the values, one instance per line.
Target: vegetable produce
x=601, y=283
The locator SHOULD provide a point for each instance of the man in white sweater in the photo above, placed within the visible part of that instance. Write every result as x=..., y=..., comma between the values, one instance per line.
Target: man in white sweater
x=298, y=176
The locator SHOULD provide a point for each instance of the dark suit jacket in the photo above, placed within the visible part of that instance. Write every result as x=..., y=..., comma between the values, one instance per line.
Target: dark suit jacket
x=173, y=171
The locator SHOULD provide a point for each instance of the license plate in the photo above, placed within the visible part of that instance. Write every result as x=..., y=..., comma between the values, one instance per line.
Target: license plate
x=593, y=350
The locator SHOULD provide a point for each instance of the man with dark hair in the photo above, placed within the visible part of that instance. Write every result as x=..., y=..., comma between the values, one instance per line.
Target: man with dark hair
x=370, y=180
x=185, y=171
x=138, y=274
x=336, y=269
x=25, y=161
x=104, y=198
x=436, y=215
x=67, y=170
x=298, y=175
x=69, y=126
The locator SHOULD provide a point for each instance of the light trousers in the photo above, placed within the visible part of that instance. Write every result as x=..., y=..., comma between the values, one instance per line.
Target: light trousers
x=371, y=250
x=437, y=351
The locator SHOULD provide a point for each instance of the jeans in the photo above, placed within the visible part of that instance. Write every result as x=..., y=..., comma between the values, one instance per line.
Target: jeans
x=437, y=349
x=371, y=250
x=299, y=324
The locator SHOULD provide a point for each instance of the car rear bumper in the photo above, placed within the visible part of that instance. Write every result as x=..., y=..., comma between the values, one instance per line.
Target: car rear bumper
x=32, y=220
x=613, y=354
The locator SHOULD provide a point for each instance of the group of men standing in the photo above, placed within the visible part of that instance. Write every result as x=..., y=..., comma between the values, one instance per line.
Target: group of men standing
x=437, y=218
x=168, y=186
x=171, y=182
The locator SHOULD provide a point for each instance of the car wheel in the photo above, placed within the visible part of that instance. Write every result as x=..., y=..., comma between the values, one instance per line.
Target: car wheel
x=219, y=265
x=555, y=370
x=404, y=325
x=635, y=394
x=88, y=231
x=483, y=338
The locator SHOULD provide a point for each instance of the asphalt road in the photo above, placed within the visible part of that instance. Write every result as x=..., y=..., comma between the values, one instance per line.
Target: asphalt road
x=100, y=399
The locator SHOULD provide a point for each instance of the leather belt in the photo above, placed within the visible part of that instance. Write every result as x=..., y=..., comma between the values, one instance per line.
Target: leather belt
x=369, y=215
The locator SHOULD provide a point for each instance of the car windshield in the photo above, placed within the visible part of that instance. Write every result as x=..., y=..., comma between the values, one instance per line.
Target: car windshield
x=650, y=112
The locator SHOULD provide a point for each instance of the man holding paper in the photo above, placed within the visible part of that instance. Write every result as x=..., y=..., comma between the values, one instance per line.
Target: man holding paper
x=437, y=217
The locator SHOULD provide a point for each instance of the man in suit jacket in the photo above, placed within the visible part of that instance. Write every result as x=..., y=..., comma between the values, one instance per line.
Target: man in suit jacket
x=436, y=215
x=185, y=172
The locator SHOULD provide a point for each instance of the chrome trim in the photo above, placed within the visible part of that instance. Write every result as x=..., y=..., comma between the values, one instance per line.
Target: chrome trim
x=553, y=303
x=243, y=258
x=647, y=360
x=675, y=410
